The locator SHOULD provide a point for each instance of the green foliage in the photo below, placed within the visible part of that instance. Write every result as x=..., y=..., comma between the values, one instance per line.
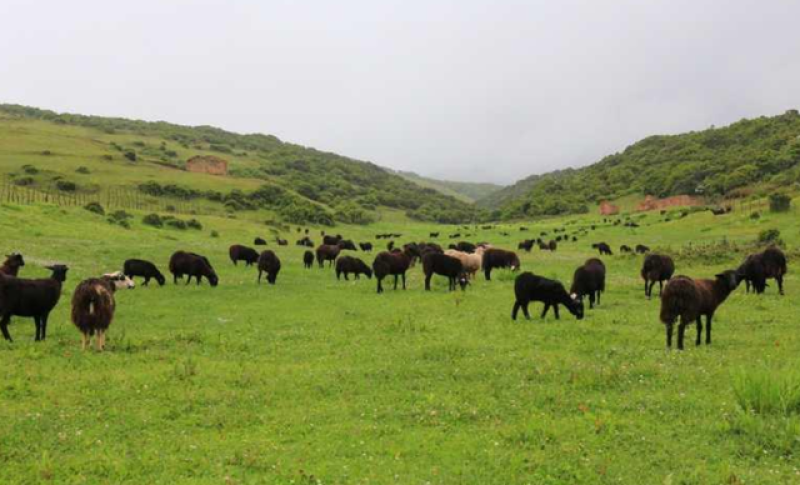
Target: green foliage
x=30, y=169
x=95, y=207
x=120, y=218
x=214, y=234
x=713, y=162
x=763, y=391
x=194, y=224
x=153, y=220
x=83, y=170
x=130, y=155
x=779, y=202
x=66, y=186
x=24, y=181
x=770, y=236
x=175, y=223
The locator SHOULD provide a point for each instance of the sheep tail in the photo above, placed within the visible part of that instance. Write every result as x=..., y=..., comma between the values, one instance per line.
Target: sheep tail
x=680, y=299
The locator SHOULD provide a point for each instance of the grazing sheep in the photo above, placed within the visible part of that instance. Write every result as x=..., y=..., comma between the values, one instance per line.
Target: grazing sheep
x=30, y=298
x=529, y=287
x=465, y=247
x=12, y=264
x=347, y=244
x=308, y=259
x=471, y=262
x=757, y=268
x=238, y=253
x=366, y=247
x=433, y=235
x=552, y=245
x=348, y=264
x=394, y=263
x=259, y=242
x=305, y=241
x=331, y=240
x=425, y=248
x=268, y=262
x=444, y=265
x=625, y=249
x=327, y=252
x=526, y=245
x=656, y=268
x=281, y=242
x=689, y=299
x=120, y=280
x=192, y=265
x=143, y=269
x=603, y=248
x=642, y=249
x=93, y=307
x=589, y=279
x=499, y=258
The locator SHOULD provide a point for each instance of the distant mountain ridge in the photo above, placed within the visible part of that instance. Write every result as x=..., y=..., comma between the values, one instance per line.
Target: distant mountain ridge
x=716, y=162
x=465, y=191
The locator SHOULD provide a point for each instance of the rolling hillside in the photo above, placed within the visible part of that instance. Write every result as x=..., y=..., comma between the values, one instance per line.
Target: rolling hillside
x=80, y=154
x=465, y=191
x=718, y=162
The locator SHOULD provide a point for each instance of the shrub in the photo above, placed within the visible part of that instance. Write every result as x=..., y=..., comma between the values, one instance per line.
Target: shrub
x=83, y=170
x=176, y=224
x=30, y=169
x=779, y=203
x=153, y=220
x=95, y=207
x=194, y=224
x=130, y=155
x=108, y=158
x=66, y=186
x=47, y=153
x=120, y=218
x=770, y=236
x=755, y=216
x=214, y=234
x=171, y=208
x=23, y=181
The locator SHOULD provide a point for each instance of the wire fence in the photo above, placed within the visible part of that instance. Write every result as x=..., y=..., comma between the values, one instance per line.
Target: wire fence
x=109, y=197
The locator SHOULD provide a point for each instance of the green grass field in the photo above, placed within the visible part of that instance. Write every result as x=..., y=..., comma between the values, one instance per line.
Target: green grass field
x=319, y=381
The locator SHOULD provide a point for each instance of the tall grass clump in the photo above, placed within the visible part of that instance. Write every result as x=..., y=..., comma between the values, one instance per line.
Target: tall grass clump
x=768, y=392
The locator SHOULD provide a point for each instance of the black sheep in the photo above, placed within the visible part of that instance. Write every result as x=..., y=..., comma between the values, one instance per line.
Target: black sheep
x=433, y=235
x=143, y=269
x=529, y=287
x=331, y=240
x=259, y=242
x=308, y=259
x=656, y=268
x=268, y=262
x=93, y=307
x=499, y=258
x=192, y=265
x=30, y=298
x=394, y=263
x=281, y=242
x=603, y=248
x=327, y=252
x=526, y=245
x=642, y=249
x=365, y=246
x=238, y=253
x=552, y=245
x=688, y=299
x=348, y=264
x=590, y=279
x=347, y=244
x=12, y=264
x=625, y=249
x=465, y=247
x=305, y=241
x=757, y=268
x=441, y=264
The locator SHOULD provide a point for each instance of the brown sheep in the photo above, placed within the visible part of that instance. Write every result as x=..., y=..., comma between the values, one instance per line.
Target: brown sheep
x=93, y=307
x=12, y=264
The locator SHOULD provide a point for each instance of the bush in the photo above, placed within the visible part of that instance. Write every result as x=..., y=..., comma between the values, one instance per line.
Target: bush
x=108, y=158
x=83, y=170
x=47, y=153
x=95, y=207
x=23, y=181
x=30, y=169
x=120, y=218
x=66, y=186
x=214, y=234
x=194, y=224
x=755, y=216
x=130, y=155
x=171, y=208
x=153, y=220
x=770, y=236
x=176, y=224
x=779, y=203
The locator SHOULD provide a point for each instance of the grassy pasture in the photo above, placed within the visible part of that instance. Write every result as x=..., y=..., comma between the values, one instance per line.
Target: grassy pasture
x=319, y=381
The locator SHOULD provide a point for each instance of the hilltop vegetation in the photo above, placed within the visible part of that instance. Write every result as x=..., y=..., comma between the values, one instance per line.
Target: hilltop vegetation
x=299, y=184
x=717, y=162
x=465, y=191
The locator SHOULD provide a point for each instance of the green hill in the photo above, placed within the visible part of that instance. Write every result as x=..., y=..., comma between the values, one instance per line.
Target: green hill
x=86, y=155
x=717, y=162
x=465, y=191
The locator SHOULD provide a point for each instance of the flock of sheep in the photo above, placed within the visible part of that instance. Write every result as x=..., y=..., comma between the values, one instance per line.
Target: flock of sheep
x=683, y=300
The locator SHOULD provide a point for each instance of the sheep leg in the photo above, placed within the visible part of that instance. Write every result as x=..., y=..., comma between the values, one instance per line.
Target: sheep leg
x=544, y=311
x=44, y=326
x=345, y=277
x=660, y=287
x=395, y=281
x=669, y=335
x=515, y=310
x=38, y=324
x=404, y=279
x=555, y=310
x=681, y=332
x=488, y=274
x=259, y=276
x=428, y=282
x=146, y=280
x=84, y=340
x=699, y=330
x=779, y=279
x=708, y=328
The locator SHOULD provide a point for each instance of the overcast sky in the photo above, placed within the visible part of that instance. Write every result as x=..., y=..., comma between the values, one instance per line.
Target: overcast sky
x=469, y=90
